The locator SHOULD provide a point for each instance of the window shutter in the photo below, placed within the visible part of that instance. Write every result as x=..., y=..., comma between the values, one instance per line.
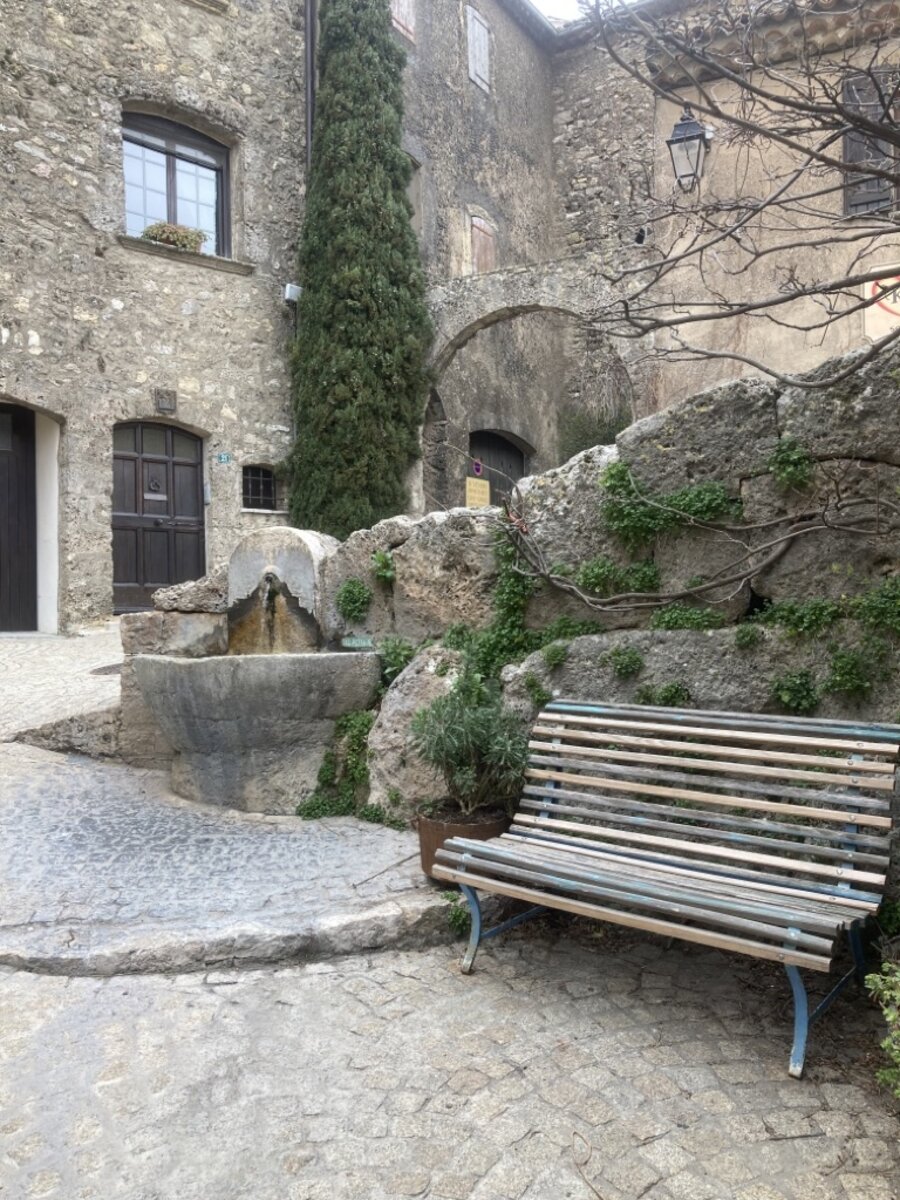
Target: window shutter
x=484, y=246
x=404, y=17
x=479, y=36
x=867, y=193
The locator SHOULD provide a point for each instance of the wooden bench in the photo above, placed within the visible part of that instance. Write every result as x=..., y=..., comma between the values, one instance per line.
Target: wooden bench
x=767, y=836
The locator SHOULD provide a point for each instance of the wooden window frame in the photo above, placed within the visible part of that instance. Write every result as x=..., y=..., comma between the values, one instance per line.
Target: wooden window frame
x=855, y=143
x=482, y=228
x=181, y=143
x=475, y=21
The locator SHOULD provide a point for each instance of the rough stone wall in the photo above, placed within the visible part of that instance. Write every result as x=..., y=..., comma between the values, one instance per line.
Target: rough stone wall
x=483, y=154
x=89, y=326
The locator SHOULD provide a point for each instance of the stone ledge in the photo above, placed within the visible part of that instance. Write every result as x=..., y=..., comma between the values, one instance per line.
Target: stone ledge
x=231, y=266
x=214, y=6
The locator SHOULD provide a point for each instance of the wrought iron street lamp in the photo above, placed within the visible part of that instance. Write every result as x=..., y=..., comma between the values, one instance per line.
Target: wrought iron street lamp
x=688, y=146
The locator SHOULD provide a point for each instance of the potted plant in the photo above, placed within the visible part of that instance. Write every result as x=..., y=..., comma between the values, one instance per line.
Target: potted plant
x=480, y=748
x=179, y=236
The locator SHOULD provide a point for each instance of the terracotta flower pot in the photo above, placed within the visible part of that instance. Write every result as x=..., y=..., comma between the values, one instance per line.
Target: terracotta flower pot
x=433, y=833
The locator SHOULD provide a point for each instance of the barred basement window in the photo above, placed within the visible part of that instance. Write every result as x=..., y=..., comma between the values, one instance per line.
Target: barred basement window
x=259, y=488
x=873, y=96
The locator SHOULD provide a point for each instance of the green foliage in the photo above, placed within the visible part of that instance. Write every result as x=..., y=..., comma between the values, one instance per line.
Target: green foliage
x=674, y=694
x=796, y=692
x=537, y=693
x=353, y=600
x=458, y=916
x=805, y=618
x=791, y=464
x=747, y=636
x=886, y=990
x=383, y=566
x=581, y=430
x=626, y=661
x=889, y=918
x=179, y=236
x=555, y=654
x=478, y=746
x=363, y=330
x=342, y=785
x=636, y=518
x=686, y=616
x=879, y=608
x=854, y=670
x=396, y=653
x=607, y=578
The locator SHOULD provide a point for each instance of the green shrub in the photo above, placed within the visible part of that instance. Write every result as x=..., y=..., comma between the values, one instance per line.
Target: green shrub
x=879, y=608
x=802, y=618
x=383, y=566
x=555, y=654
x=627, y=512
x=353, y=600
x=342, y=785
x=886, y=990
x=747, y=636
x=686, y=616
x=396, y=654
x=479, y=747
x=796, y=692
x=889, y=918
x=791, y=464
x=458, y=916
x=854, y=670
x=537, y=693
x=674, y=694
x=626, y=661
x=179, y=236
x=607, y=578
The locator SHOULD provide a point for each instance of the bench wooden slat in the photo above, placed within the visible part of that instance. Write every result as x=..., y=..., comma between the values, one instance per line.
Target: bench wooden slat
x=797, y=901
x=546, y=728
x=723, y=800
x=791, y=889
x=686, y=933
x=725, y=853
x=702, y=764
x=739, y=735
x=757, y=917
x=592, y=808
x=774, y=723
x=843, y=798
x=820, y=832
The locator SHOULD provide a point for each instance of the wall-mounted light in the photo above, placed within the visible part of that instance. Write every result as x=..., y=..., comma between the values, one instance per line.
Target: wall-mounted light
x=688, y=146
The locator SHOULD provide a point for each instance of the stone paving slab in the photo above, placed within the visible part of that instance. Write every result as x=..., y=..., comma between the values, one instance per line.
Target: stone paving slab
x=663, y=1069
x=102, y=870
x=44, y=678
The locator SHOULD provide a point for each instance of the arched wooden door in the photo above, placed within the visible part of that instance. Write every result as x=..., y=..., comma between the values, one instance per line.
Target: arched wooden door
x=18, y=521
x=497, y=460
x=158, y=536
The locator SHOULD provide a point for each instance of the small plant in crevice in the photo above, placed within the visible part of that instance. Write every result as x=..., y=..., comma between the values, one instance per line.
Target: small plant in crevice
x=878, y=609
x=458, y=916
x=802, y=618
x=626, y=661
x=537, y=693
x=674, y=694
x=605, y=578
x=383, y=567
x=791, y=464
x=342, y=786
x=555, y=654
x=885, y=989
x=636, y=517
x=396, y=654
x=796, y=692
x=888, y=918
x=353, y=600
x=747, y=636
x=854, y=670
x=686, y=616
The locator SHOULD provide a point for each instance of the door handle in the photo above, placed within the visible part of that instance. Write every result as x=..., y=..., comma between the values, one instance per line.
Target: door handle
x=159, y=521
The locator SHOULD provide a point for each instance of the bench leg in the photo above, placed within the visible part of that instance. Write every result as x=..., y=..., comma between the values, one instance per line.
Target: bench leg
x=858, y=956
x=801, y=1022
x=475, y=934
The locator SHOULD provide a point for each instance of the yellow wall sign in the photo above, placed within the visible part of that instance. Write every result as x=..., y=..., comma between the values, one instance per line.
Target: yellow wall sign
x=478, y=493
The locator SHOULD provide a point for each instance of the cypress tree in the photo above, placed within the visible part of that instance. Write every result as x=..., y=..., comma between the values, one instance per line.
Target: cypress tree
x=363, y=331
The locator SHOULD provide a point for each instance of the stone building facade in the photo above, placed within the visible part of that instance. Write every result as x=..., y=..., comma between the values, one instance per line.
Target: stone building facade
x=144, y=389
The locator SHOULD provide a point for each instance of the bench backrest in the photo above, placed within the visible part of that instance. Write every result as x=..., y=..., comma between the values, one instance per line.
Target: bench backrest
x=799, y=803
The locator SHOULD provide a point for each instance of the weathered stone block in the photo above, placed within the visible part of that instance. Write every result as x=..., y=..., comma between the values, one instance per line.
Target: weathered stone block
x=209, y=594
x=295, y=556
x=188, y=634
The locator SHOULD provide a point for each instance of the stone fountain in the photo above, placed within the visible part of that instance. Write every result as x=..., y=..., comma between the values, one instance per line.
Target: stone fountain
x=250, y=725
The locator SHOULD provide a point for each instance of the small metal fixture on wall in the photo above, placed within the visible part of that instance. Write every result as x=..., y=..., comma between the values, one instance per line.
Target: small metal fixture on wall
x=688, y=146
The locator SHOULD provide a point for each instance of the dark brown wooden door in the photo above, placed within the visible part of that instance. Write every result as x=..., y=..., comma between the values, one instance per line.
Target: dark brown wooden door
x=501, y=463
x=18, y=526
x=157, y=511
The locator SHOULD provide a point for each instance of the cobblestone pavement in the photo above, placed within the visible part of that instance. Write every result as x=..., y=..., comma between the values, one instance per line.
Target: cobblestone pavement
x=45, y=678
x=103, y=870
x=394, y=1076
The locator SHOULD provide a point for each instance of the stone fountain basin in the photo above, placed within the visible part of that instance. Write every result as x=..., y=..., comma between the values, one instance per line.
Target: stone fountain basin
x=250, y=731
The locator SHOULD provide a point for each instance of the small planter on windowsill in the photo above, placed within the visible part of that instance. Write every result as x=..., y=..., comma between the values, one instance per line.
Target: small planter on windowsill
x=180, y=237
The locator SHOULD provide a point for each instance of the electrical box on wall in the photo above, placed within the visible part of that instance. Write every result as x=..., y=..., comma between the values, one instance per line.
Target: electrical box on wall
x=292, y=293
